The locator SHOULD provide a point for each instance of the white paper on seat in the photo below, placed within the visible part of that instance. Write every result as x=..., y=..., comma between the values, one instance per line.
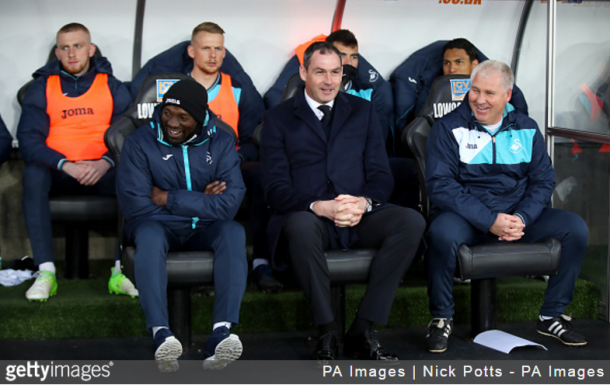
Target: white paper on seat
x=502, y=341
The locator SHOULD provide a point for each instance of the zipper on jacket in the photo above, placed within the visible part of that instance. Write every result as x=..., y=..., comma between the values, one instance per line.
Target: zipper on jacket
x=493, y=139
x=187, y=173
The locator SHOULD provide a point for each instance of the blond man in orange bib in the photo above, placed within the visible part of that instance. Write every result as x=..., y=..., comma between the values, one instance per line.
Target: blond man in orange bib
x=65, y=114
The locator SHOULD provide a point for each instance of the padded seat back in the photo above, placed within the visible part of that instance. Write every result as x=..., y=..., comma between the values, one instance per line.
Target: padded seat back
x=292, y=86
x=446, y=94
x=141, y=111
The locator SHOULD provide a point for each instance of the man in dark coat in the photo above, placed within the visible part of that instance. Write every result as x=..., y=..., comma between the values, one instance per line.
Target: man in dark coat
x=326, y=174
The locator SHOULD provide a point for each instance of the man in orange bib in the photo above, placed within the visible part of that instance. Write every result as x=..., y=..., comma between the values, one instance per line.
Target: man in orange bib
x=208, y=52
x=65, y=114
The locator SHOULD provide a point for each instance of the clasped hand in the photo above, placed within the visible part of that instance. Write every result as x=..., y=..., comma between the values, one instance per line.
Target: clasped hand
x=345, y=210
x=86, y=172
x=508, y=227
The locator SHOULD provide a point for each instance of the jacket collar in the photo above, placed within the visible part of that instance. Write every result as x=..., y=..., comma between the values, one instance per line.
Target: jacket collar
x=341, y=111
x=206, y=132
x=509, y=115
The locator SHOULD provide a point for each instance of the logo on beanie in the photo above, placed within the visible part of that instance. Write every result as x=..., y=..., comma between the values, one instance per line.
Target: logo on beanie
x=172, y=101
x=162, y=86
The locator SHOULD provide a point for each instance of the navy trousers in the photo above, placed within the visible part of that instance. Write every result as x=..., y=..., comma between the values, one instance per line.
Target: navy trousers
x=449, y=230
x=41, y=181
x=227, y=239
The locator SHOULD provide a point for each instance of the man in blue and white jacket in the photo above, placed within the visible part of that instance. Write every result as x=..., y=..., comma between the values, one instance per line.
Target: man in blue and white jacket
x=179, y=187
x=490, y=179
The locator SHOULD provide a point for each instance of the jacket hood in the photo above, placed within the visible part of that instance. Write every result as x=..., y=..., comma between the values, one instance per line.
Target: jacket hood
x=204, y=132
x=98, y=64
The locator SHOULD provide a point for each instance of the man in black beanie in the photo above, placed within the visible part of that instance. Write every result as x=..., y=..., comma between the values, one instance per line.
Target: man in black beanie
x=179, y=187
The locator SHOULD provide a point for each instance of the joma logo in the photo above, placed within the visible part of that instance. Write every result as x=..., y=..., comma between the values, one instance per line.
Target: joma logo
x=76, y=111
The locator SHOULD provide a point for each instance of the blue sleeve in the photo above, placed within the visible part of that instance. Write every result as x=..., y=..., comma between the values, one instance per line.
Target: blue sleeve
x=213, y=207
x=273, y=96
x=379, y=179
x=518, y=101
x=382, y=100
x=33, y=127
x=444, y=189
x=121, y=98
x=541, y=182
x=6, y=142
x=251, y=109
x=406, y=85
x=411, y=82
x=134, y=183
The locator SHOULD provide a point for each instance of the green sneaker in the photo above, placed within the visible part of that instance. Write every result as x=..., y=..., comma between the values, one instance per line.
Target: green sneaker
x=120, y=284
x=44, y=287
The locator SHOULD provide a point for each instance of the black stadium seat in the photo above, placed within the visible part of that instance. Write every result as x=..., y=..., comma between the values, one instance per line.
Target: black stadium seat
x=482, y=263
x=442, y=100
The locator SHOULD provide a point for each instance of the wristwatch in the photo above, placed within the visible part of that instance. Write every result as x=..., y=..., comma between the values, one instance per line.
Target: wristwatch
x=370, y=204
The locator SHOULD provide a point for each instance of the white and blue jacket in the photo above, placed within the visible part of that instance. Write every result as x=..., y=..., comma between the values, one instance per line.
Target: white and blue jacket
x=478, y=175
x=183, y=171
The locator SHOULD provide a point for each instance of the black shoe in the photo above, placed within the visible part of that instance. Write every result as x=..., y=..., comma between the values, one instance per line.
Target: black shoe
x=326, y=349
x=366, y=346
x=437, y=338
x=263, y=277
x=561, y=328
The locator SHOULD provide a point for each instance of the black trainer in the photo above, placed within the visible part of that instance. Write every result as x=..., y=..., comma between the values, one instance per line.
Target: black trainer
x=263, y=278
x=561, y=328
x=437, y=338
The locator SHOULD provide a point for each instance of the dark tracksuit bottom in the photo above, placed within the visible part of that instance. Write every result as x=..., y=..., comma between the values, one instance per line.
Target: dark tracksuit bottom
x=259, y=210
x=226, y=238
x=41, y=181
x=449, y=230
x=395, y=231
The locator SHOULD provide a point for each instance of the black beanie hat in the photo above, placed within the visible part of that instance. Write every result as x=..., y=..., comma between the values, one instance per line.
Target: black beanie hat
x=189, y=95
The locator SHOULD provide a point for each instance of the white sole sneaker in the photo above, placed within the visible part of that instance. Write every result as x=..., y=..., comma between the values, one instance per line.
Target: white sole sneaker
x=167, y=355
x=227, y=351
